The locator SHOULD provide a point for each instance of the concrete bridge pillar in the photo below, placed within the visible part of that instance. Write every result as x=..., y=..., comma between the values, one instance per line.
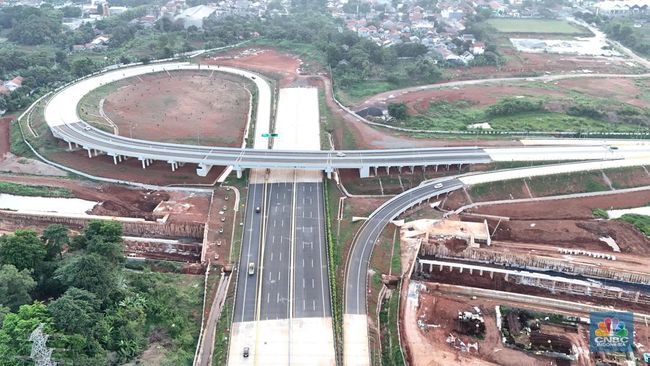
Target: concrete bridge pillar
x=387, y=170
x=115, y=159
x=202, y=170
x=239, y=172
x=374, y=169
x=329, y=170
x=90, y=153
x=173, y=164
x=364, y=171
x=144, y=163
x=436, y=168
x=412, y=169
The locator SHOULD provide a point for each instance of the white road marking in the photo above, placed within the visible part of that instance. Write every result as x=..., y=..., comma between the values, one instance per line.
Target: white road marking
x=303, y=283
x=271, y=256
x=268, y=297
x=279, y=273
x=280, y=257
x=314, y=304
x=312, y=283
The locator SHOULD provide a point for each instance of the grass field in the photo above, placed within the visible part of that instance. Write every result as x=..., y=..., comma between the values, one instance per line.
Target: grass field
x=549, y=26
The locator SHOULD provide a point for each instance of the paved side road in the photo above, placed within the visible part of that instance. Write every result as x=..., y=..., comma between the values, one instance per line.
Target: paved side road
x=206, y=349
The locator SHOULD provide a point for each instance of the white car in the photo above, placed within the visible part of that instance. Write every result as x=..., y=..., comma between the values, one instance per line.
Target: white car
x=340, y=154
x=87, y=128
x=251, y=268
x=439, y=185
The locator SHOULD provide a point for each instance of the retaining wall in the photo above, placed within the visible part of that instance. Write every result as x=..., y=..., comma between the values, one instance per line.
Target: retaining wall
x=149, y=229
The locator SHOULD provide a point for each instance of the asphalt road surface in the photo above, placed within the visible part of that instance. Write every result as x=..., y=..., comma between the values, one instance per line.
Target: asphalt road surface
x=290, y=215
x=356, y=286
x=311, y=285
x=247, y=284
x=275, y=269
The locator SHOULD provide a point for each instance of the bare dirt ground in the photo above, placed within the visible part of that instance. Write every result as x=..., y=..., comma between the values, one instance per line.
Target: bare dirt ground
x=122, y=201
x=263, y=59
x=429, y=347
x=624, y=90
x=288, y=68
x=581, y=234
x=202, y=108
x=158, y=173
x=575, y=208
x=5, y=142
x=521, y=64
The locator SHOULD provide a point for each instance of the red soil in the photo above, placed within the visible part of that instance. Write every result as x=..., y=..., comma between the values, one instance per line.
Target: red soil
x=625, y=90
x=158, y=173
x=5, y=134
x=575, y=208
x=184, y=106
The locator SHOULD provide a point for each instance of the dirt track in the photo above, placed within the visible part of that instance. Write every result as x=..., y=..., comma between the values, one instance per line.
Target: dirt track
x=5, y=135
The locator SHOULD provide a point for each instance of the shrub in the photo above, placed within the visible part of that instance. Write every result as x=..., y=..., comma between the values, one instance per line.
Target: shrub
x=600, y=213
x=510, y=106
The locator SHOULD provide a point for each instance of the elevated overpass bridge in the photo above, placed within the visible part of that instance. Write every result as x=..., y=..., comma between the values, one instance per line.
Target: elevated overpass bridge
x=62, y=118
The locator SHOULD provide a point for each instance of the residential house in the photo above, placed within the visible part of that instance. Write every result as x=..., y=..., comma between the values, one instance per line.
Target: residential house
x=478, y=48
x=466, y=57
x=14, y=83
x=467, y=38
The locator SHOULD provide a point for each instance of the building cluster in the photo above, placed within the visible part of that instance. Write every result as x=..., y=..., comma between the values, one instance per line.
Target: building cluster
x=439, y=28
x=621, y=7
x=6, y=87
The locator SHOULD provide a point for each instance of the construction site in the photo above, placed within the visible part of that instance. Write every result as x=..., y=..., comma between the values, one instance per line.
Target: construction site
x=484, y=285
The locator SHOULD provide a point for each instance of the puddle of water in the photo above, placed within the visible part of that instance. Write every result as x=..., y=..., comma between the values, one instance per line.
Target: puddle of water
x=45, y=204
x=615, y=214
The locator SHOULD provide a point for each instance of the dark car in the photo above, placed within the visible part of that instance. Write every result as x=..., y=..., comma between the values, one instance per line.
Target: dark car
x=246, y=352
x=257, y=209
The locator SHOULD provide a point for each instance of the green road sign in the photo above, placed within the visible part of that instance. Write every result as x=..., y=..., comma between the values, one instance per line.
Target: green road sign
x=269, y=135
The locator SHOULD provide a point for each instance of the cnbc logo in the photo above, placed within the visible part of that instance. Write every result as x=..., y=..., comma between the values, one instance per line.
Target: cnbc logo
x=611, y=331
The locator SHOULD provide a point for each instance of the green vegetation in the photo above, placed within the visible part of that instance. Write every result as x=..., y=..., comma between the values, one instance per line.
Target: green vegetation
x=527, y=114
x=523, y=25
x=388, y=317
x=641, y=222
x=600, y=213
x=623, y=29
x=334, y=262
x=397, y=110
x=27, y=190
x=94, y=310
x=578, y=182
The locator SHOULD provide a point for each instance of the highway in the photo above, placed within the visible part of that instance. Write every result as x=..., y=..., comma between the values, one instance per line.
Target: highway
x=311, y=294
x=357, y=267
x=275, y=268
x=286, y=243
x=250, y=249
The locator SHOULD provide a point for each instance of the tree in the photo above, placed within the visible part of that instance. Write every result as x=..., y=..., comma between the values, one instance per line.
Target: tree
x=83, y=66
x=16, y=328
x=55, y=238
x=110, y=251
x=90, y=272
x=397, y=110
x=23, y=249
x=15, y=286
x=3, y=103
x=71, y=11
x=76, y=312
